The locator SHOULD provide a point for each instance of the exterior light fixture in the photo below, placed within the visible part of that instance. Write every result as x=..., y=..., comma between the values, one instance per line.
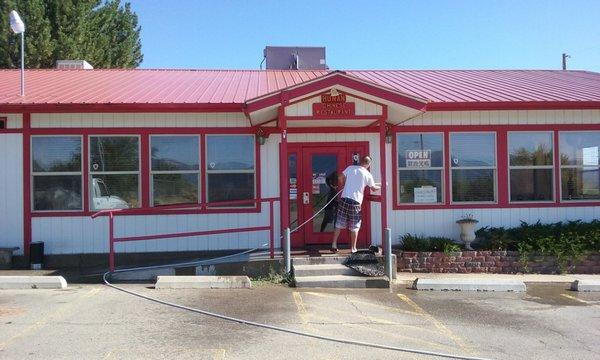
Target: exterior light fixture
x=18, y=27
x=388, y=135
x=261, y=137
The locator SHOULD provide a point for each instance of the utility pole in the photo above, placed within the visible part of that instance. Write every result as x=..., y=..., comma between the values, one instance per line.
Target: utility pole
x=564, y=60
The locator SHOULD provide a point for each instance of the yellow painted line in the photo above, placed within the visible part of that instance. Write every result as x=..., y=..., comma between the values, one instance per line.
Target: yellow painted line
x=438, y=324
x=379, y=321
x=60, y=311
x=301, y=309
x=383, y=332
x=367, y=303
x=580, y=300
x=219, y=354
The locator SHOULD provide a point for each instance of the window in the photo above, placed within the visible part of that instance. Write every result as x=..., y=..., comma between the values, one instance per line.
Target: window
x=230, y=167
x=579, y=165
x=420, y=168
x=530, y=166
x=114, y=172
x=175, y=169
x=473, y=162
x=56, y=173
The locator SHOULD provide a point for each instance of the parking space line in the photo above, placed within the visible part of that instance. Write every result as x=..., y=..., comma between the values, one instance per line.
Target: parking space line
x=379, y=331
x=60, y=311
x=305, y=314
x=438, y=324
x=219, y=354
x=301, y=309
x=580, y=300
x=368, y=303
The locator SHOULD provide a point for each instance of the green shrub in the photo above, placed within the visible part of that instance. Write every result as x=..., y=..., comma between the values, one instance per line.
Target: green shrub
x=411, y=242
x=567, y=242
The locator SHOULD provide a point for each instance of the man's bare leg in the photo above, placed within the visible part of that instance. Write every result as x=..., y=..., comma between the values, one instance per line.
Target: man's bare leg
x=353, y=238
x=336, y=234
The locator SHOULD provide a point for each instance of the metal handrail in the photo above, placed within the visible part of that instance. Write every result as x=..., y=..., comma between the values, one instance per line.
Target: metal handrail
x=111, y=213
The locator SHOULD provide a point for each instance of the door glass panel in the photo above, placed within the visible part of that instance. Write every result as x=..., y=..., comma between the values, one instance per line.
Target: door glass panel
x=324, y=175
x=293, y=193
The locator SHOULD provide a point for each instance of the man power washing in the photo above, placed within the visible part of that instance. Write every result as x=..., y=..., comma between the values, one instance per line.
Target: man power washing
x=354, y=179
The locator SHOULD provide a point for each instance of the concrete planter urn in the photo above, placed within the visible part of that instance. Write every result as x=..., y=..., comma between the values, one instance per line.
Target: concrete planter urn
x=467, y=230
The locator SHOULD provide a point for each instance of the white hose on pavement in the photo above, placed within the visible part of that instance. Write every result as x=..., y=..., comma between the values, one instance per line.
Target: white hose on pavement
x=267, y=326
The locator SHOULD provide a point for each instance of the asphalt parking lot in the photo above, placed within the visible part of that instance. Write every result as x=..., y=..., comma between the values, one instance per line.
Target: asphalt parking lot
x=96, y=322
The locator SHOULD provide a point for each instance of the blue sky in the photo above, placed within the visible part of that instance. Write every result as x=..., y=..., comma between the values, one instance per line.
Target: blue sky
x=456, y=34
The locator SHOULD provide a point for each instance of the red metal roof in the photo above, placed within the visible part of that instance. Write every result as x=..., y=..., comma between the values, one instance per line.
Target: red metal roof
x=145, y=86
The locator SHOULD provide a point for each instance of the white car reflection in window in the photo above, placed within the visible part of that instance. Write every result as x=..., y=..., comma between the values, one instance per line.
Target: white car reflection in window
x=102, y=198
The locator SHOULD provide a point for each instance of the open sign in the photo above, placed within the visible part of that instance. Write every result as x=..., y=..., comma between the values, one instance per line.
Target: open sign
x=418, y=158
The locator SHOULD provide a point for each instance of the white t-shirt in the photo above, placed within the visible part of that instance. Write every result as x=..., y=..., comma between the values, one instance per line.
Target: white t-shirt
x=357, y=178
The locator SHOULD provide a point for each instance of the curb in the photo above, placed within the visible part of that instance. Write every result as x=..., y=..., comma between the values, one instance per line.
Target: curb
x=469, y=285
x=32, y=282
x=585, y=285
x=202, y=282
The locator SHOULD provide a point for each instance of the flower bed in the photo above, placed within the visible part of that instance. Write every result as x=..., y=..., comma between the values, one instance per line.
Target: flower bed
x=500, y=262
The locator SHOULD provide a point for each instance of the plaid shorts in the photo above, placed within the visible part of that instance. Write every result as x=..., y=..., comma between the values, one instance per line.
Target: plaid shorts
x=348, y=215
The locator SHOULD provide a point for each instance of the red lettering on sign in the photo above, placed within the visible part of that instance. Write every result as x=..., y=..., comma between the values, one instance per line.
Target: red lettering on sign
x=333, y=110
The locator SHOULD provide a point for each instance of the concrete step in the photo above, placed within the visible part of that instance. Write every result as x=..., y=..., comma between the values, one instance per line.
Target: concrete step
x=323, y=270
x=319, y=260
x=341, y=281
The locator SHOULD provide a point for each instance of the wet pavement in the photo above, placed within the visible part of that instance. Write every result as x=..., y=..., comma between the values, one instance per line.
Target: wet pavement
x=97, y=322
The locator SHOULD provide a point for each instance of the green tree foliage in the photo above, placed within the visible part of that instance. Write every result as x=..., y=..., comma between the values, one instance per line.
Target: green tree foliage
x=104, y=33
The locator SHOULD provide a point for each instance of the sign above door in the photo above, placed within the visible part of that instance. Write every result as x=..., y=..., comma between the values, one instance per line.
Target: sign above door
x=333, y=106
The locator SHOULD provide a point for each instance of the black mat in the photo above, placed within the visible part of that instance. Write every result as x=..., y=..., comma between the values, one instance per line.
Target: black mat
x=365, y=262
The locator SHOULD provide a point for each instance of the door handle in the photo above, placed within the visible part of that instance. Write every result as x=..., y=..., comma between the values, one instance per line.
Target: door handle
x=305, y=198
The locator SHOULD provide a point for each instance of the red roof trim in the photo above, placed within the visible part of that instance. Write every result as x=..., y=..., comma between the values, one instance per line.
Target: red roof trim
x=111, y=108
x=507, y=105
x=334, y=79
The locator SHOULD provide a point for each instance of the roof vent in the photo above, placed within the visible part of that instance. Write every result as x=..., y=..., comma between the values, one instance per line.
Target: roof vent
x=73, y=65
x=295, y=58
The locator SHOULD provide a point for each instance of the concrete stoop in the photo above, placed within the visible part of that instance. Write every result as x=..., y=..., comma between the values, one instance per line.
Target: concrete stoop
x=328, y=272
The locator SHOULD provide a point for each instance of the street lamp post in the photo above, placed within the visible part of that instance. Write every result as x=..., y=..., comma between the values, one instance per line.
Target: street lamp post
x=18, y=27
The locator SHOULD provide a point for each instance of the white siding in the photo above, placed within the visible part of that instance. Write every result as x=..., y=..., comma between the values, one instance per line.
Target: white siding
x=506, y=117
x=11, y=191
x=14, y=121
x=362, y=107
x=156, y=120
x=83, y=235
x=442, y=222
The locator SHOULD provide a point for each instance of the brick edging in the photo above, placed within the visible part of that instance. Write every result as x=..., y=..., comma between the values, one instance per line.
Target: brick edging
x=498, y=262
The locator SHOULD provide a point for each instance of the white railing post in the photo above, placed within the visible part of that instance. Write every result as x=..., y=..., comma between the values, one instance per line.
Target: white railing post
x=387, y=242
x=287, y=251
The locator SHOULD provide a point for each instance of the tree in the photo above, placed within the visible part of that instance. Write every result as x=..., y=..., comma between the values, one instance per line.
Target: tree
x=104, y=33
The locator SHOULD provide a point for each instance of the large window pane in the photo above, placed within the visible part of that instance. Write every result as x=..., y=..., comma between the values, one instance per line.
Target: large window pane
x=230, y=152
x=56, y=153
x=473, y=149
x=230, y=187
x=580, y=148
x=420, y=186
x=173, y=153
x=60, y=192
x=114, y=191
x=473, y=185
x=118, y=153
x=429, y=147
x=580, y=183
x=531, y=148
x=175, y=189
x=531, y=185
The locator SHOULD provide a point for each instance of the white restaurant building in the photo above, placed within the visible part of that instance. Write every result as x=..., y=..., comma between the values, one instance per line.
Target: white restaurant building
x=505, y=146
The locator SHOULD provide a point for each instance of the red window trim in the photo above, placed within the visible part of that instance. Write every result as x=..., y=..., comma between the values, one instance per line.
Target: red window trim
x=503, y=202
x=144, y=135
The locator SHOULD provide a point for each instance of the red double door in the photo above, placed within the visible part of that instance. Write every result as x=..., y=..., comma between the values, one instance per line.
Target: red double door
x=310, y=164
